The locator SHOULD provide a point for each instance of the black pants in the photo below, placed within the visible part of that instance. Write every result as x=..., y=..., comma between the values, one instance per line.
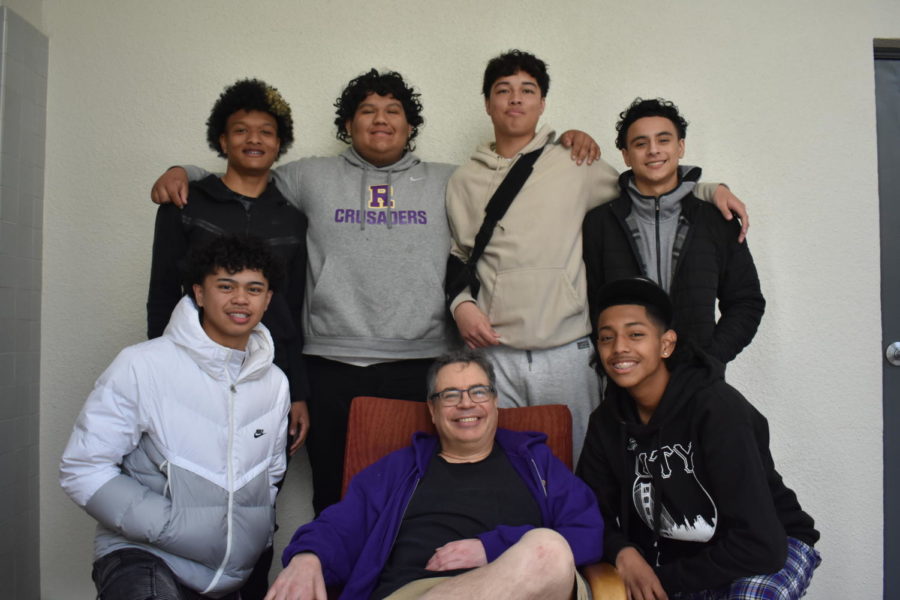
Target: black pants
x=133, y=574
x=257, y=585
x=332, y=386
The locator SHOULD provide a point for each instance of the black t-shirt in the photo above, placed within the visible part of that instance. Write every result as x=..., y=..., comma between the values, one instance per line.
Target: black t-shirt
x=455, y=501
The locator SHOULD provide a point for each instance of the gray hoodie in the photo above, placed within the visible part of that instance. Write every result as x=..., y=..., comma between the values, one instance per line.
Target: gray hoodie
x=378, y=242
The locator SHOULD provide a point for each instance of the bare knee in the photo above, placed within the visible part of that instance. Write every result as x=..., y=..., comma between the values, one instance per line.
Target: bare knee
x=547, y=554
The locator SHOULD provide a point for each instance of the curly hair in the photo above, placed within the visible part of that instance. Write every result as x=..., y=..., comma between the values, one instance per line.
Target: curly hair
x=510, y=63
x=250, y=94
x=641, y=108
x=233, y=253
x=389, y=83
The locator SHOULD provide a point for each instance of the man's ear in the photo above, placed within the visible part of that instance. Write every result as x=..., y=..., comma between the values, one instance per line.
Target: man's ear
x=268, y=299
x=348, y=126
x=681, y=148
x=625, y=157
x=430, y=409
x=669, y=339
x=223, y=144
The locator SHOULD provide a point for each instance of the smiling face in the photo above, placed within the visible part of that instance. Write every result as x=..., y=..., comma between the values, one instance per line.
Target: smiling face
x=379, y=130
x=653, y=150
x=250, y=142
x=515, y=105
x=632, y=347
x=233, y=304
x=466, y=429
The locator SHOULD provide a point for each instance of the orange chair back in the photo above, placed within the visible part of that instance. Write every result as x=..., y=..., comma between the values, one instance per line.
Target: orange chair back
x=378, y=426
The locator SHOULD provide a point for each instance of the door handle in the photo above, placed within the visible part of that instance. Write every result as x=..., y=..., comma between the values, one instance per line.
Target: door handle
x=893, y=354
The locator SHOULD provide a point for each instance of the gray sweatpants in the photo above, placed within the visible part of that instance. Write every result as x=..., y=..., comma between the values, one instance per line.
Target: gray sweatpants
x=560, y=375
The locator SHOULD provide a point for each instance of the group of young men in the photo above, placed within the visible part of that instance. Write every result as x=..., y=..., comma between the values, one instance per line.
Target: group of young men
x=180, y=449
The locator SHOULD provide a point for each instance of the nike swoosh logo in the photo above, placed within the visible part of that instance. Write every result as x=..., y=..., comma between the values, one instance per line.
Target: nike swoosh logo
x=417, y=178
x=258, y=433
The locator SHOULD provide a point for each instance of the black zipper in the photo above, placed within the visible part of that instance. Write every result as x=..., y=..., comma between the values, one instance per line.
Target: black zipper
x=658, y=257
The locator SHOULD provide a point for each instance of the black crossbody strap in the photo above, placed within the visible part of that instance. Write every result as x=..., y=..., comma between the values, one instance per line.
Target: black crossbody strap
x=501, y=201
x=462, y=274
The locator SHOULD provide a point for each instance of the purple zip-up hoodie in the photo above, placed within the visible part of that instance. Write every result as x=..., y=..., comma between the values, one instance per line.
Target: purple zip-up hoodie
x=353, y=539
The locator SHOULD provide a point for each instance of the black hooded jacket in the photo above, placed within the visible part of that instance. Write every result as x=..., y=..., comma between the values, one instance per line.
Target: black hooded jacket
x=695, y=489
x=711, y=266
x=215, y=210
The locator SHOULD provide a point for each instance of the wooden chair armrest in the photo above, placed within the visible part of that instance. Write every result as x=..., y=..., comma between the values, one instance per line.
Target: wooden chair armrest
x=604, y=581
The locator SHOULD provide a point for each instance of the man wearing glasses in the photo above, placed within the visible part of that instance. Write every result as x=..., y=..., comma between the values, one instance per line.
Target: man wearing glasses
x=475, y=511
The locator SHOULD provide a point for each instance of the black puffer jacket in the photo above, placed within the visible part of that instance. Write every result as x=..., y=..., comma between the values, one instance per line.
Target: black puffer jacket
x=711, y=264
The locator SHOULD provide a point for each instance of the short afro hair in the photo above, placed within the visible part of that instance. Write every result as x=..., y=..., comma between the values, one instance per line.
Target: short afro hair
x=641, y=108
x=510, y=63
x=234, y=253
x=250, y=94
x=389, y=83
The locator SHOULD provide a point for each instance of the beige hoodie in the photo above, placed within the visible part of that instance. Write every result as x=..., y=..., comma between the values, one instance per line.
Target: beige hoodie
x=533, y=287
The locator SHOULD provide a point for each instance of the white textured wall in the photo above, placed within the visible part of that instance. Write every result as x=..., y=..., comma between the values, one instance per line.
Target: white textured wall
x=780, y=96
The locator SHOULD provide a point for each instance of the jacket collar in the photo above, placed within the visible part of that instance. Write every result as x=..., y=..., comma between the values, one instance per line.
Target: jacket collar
x=487, y=156
x=512, y=442
x=686, y=174
x=216, y=190
x=185, y=331
x=406, y=162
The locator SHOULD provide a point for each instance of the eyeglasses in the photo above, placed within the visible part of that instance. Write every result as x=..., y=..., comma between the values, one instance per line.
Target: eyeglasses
x=452, y=396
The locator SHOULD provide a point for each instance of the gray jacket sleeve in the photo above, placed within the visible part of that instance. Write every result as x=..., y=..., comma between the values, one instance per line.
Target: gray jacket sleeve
x=194, y=173
x=287, y=178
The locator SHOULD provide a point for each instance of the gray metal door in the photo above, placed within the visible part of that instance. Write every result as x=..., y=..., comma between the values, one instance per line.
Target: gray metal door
x=887, y=100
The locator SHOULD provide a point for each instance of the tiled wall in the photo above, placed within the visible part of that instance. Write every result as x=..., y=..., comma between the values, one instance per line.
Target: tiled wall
x=23, y=107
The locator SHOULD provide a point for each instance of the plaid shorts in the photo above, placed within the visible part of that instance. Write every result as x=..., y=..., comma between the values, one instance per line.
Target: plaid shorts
x=789, y=583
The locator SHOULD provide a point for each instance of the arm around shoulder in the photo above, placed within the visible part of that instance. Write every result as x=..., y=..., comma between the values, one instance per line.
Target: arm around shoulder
x=288, y=177
x=604, y=183
x=172, y=186
x=727, y=203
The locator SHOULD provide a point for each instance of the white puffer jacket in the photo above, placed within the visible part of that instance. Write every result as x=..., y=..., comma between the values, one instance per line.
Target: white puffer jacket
x=173, y=457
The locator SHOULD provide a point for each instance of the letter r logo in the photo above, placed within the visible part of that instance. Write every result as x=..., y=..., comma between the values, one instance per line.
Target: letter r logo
x=380, y=196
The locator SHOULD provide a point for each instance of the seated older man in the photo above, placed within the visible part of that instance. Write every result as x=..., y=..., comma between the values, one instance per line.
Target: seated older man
x=476, y=512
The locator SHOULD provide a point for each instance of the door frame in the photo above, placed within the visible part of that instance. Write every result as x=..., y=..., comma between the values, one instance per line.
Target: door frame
x=888, y=126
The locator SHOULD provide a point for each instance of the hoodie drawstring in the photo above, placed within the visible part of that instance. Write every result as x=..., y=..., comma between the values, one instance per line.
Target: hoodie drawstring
x=362, y=197
x=390, y=199
x=164, y=469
